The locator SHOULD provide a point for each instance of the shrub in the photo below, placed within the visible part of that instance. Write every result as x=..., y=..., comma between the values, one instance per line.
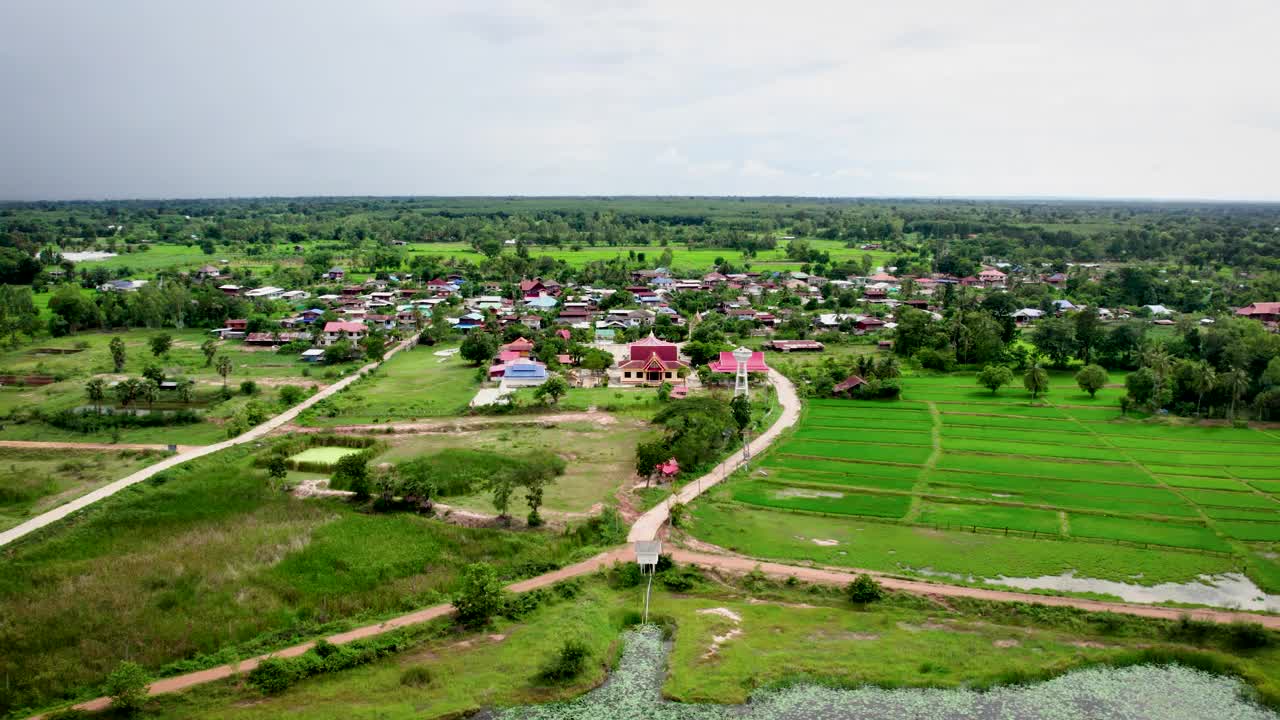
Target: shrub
x=416, y=676
x=291, y=394
x=249, y=387
x=272, y=675
x=567, y=664
x=681, y=581
x=1248, y=636
x=864, y=589
x=127, y=687
x=479, y=595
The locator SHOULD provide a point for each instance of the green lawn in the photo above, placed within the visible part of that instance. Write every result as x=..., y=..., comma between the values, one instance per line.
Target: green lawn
x=325, y=455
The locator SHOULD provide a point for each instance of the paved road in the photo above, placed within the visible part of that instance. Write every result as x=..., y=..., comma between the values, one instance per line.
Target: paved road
x=647, y=526
x=251, y=435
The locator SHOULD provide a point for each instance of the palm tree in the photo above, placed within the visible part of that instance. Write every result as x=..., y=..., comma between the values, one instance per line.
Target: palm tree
x=126, y=392
x=1203, y=379
x=224, y=369
x=96, y=389
x=1237, y=383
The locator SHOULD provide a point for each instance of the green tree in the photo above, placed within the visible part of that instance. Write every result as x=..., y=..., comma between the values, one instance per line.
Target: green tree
x=210, y=349
x=148, y=391
x=186, y=389
x=701, y=353
x=118, y=354
x=277, y=468
x=153, y=372
x=96, y=390
x=375, y=346
x=352, y=472
x=1236, y=383
x=864, y=589
x=127, y=687
x=479, y=347
x=1056, y=338
x=1088, y=333
x=18, y=312
x=648, y=456
x=551, y=390
x=1203, y=379
x=740, y=406
x=339, y=352
x=479, y=596
x=223, y=367
x=161, y=344
x=1036, y=380
x=994, y=377
x=1091, y=379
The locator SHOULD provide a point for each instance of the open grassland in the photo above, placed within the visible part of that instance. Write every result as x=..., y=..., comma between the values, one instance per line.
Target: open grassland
x=1071, y=471
x=728, y=642
x=73, y=361
x=413, y=384
x=208, y=556
x=34, y=481
x=599, y=458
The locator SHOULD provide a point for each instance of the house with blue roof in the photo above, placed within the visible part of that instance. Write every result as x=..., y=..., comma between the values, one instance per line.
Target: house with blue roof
x=524, y=373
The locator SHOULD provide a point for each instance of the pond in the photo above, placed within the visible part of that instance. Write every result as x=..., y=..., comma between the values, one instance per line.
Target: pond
x=1133, y=693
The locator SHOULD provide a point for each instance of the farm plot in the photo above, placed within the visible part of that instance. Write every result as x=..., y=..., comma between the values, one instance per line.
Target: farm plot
x=835, y=502
x=1077, y=472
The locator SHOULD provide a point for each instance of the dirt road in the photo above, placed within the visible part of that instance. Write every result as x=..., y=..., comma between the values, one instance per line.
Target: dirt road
x=650, y=523
x=251, y=435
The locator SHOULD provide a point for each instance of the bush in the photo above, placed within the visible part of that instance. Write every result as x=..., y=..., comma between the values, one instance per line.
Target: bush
x=568, y=663
x=416, y=676
x=681, y=581
x=864, y=589
x=249, y=387
x=127, y=687
x=1248, y=636
x=272, y=675
x=479, y=596
x=291, y=394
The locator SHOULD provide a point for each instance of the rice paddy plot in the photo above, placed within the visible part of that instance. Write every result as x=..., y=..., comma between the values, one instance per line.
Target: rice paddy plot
x=869, y=424
x=989, y=516
x=892, y=437
x=1235, y=513
x=1005, y=446
x=1190, y=445
x=1203, y=483
x=909, y=454
x=1200, y=471
x=950, y=419
x=835, y=502
x=1257, y=473
x=1012, y=435
x=1017, y=409
x=1222, y=498
x=1024, y=468
x=1069, y=488
x=1136, y=428
x=1091, y=413
x=1222, y=459
x=324, y=455
x=805, y=477
x=1144, y=531
x=847, y=405
x=844, y=467
x=1267, y=486
x=1252, y=531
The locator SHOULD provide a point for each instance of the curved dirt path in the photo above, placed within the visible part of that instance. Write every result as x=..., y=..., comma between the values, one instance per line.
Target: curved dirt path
x=250, y=435
x=58, y=445
x=650, y=523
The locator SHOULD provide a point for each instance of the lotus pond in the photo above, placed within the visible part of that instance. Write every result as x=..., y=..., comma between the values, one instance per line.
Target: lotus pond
x=634, y=690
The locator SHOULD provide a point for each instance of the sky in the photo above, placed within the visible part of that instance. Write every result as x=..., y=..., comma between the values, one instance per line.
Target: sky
x=975, y=98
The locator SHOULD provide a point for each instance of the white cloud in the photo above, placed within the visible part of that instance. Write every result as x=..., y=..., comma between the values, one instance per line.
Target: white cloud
x=988, y=97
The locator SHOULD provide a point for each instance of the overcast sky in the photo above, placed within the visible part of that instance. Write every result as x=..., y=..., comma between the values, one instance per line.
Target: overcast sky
x=187, y=98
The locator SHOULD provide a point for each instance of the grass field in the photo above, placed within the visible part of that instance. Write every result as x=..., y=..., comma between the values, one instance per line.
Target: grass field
x=34, y=481
x=1066, y=471
x=207, y=556
x=781, y=634
x=599, y=457
x=413, y=384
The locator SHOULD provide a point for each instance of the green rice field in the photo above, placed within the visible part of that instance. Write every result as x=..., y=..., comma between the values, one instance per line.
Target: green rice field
x=1064, y=469
x=324, y=455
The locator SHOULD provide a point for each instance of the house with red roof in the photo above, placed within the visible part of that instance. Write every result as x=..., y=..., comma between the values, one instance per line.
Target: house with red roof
x=1264, y=311
x=652, y=362
x=848, y=385
x=521, y=346
x=992, y=278
x=339, y=330
x=667, y=469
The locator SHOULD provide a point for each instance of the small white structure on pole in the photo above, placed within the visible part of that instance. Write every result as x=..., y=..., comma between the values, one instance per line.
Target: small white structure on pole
x=741, y=356
x=647, y=552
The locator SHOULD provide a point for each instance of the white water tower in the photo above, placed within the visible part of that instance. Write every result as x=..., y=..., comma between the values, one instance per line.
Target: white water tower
x=741, y=356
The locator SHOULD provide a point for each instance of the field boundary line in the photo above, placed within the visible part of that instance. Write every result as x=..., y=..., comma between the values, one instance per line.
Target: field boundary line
x=922, y=477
